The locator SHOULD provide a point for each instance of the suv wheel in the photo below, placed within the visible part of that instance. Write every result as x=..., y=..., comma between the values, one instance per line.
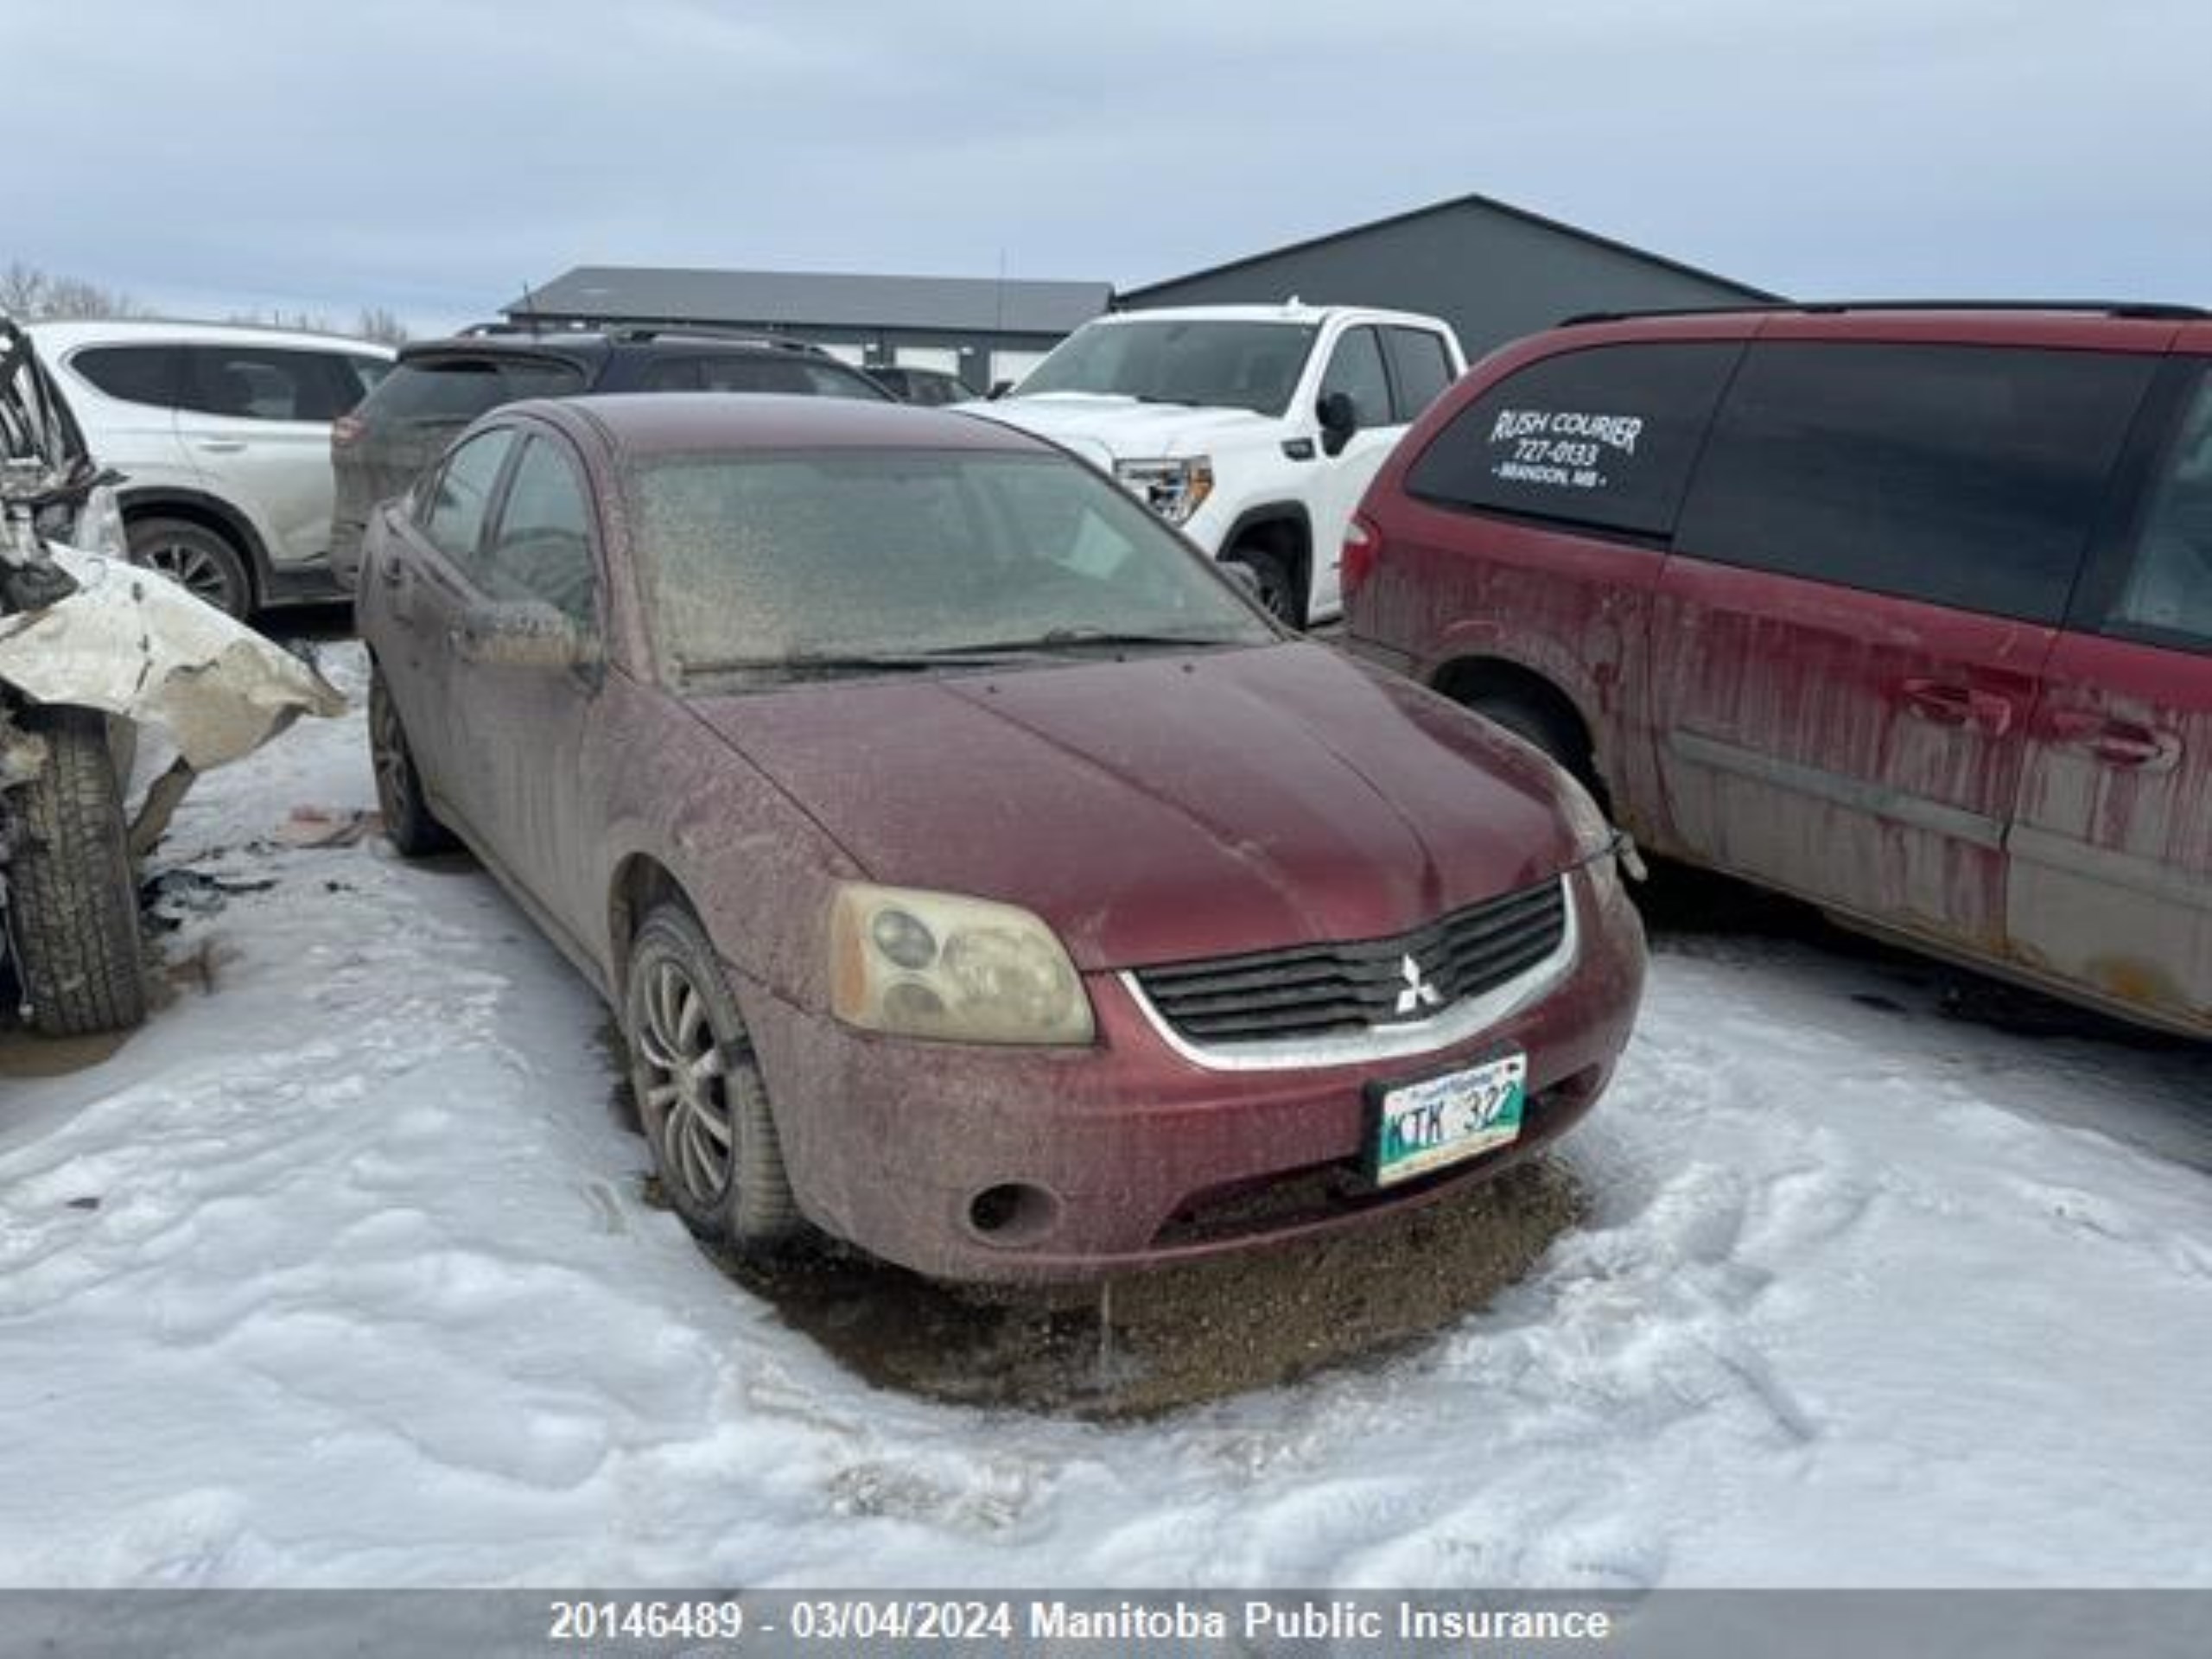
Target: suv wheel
x=200, y=560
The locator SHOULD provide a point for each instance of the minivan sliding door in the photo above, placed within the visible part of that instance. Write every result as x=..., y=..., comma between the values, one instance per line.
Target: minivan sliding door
x=1875, y=552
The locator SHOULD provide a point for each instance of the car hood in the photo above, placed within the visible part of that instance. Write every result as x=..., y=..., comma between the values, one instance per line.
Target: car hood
x=1106, y=430
x=1169, y=807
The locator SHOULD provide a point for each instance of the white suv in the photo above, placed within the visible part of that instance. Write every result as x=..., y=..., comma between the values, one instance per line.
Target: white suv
x=1253, y=429
x=223, y=436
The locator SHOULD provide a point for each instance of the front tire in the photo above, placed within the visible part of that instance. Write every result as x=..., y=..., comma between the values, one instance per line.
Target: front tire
x=413, y=828
x=699, y=1094
x=74, y=906
x=203, y=562
x=1279, y=594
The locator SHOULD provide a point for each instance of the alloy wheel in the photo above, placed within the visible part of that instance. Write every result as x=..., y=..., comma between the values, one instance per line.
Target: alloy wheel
x=686, y=1100
x=199, y=572
x=388, y=750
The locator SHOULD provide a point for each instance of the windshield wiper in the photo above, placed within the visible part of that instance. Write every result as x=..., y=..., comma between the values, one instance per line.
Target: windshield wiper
x=1061, y=639
x=864, y=662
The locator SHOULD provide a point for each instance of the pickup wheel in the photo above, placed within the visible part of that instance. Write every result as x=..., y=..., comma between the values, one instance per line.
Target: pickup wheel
x=74, y=906
x=699, y=1094
x=1277, y=592
x=205, y=564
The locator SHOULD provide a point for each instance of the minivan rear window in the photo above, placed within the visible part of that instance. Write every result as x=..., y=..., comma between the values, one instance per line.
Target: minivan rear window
x=1604, y=437
x=1966, y=476
x=461, y=388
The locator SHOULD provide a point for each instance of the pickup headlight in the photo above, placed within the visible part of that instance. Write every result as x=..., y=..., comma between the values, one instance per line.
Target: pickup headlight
x=936, y=965
x=1172, y=488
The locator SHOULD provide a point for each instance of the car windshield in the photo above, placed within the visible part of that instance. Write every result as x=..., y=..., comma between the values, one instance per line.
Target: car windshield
x=1211, y=362
x=874, y=561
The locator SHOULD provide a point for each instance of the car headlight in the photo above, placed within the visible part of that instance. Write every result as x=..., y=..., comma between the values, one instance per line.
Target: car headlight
x=1172, y=488
x=937, y=965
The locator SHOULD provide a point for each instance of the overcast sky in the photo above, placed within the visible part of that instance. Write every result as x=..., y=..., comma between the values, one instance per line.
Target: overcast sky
x=433, y=157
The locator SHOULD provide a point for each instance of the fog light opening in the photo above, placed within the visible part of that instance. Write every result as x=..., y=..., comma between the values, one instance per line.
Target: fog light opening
x=1013, y=1212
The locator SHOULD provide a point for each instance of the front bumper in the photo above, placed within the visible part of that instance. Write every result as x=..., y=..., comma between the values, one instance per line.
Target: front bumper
x=977, y=1163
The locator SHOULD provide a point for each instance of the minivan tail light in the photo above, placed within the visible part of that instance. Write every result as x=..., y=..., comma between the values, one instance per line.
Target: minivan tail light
x=1363, y=546
x=346, y=431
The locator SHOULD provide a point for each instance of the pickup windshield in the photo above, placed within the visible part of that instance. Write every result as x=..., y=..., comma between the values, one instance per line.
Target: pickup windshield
x=1217, y=364
x=799, y=564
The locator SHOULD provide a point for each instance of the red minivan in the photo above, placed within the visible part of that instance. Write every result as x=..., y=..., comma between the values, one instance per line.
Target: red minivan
x=1906, y=610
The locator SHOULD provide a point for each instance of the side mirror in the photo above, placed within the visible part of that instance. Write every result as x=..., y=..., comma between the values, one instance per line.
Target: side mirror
x=999, y=389
x=525, y=633
x=1339, y=418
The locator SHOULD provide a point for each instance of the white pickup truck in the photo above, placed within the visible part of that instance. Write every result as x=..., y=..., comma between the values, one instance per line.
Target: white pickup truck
x=1253, y=429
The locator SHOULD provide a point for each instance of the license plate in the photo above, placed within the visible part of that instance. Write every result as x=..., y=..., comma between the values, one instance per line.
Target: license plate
x=1423, y=1126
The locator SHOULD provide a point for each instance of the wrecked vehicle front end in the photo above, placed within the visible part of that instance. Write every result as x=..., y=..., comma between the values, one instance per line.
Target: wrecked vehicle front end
x=95, y=652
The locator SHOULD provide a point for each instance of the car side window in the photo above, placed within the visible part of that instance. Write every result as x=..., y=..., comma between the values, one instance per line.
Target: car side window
x=2166, y=596
x=833, y=380
x=1356, y=369
x=459, y=496
x=1603, y=437
x=1420, y=366
x=136, y=374
x=542, y=547
x=671, y=374
x=1966, y=476
x=265, y=384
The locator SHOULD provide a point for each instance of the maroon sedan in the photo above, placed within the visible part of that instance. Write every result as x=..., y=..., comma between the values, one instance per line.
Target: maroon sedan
x=980, y=878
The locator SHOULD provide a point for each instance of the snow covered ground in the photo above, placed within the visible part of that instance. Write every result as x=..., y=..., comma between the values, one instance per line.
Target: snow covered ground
x=339, y=1274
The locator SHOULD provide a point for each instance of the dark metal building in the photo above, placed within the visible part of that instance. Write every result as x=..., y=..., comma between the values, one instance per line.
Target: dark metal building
x=980, y=329
x=1495, y=272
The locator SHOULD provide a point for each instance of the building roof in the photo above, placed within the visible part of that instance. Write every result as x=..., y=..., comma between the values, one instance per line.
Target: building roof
x=1487, y=204
x=819, y=299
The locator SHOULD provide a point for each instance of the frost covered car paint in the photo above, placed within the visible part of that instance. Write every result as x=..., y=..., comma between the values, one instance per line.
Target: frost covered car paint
x=887, y=823
x=1907, y=611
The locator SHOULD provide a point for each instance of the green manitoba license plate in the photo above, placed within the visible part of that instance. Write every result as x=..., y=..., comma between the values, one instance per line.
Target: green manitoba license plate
x=1424, y=1125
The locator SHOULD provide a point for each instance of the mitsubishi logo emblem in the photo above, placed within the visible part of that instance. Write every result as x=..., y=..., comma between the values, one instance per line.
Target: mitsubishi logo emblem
x=1419, y=993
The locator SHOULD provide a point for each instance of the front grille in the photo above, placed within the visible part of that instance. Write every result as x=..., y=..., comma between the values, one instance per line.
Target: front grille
x=1316, y=989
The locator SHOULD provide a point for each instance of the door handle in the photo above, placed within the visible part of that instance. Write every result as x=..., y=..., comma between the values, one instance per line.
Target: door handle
x=221, y=446
x=2116, y=742
x=1944, y=702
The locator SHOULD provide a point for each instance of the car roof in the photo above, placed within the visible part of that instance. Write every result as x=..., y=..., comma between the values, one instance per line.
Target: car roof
x=2053, y=324
x=1293, y=310
x=67, y=334
x=589, y=347
x=672, y=422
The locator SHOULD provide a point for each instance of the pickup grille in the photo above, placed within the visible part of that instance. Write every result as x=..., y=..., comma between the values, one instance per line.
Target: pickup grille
x=1317, y=989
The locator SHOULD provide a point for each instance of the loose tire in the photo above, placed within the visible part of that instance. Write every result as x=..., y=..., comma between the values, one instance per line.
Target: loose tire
x=203, y=563
x=408, y=820
x=73, y=903
x=699, y=1090
x=1278, y=593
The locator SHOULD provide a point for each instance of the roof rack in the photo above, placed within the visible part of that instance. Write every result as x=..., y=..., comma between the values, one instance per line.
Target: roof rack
x=649, y=331
x=2152, y=310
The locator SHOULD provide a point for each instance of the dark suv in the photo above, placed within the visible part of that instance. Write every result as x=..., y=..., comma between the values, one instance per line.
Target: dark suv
x=1905, y=610
x=438, y=387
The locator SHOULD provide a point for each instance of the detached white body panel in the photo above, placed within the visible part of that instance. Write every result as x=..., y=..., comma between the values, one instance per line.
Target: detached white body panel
x=134, y=644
